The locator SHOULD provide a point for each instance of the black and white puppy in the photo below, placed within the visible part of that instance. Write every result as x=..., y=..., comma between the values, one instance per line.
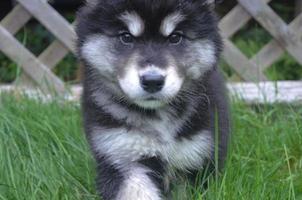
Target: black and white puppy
x=153, y=97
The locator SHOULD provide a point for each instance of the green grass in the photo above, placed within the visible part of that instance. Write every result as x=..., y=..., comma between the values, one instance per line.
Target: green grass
x=44, y=154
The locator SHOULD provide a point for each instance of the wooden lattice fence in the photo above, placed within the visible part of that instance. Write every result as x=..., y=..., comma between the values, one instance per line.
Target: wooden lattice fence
x=286, y=38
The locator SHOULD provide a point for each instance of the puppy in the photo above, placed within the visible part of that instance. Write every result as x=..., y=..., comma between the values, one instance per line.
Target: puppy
x=154, y=102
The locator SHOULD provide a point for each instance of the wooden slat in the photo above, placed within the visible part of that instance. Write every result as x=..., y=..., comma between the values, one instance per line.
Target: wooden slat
x=13, y=22
x=54, y=53
x=252, y=93
x=235, y=20
x=52, y=20
x=235, y=58
x=16, y=19
x=229, y=25
x=33, y=67
x=275, y=26
x=268, y=92
x=285, y=38
x=50, y=57
x=271, y=52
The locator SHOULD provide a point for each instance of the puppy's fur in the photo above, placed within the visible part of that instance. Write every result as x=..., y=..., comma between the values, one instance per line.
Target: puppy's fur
x=153, y=96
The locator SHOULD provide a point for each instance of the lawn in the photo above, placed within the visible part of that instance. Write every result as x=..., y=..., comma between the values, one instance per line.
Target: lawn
x=44, y=155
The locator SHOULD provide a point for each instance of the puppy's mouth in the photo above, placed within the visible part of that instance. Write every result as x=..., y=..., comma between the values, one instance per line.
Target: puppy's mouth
x=150, y=103
x=152, y=99
x=156, y=97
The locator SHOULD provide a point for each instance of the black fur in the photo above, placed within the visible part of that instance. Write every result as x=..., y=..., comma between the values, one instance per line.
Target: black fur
x=207, y=94
x=158, y=167
x=109, y=178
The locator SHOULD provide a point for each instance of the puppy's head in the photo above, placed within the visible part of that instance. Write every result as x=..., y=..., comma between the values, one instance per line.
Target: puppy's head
x=149, y=49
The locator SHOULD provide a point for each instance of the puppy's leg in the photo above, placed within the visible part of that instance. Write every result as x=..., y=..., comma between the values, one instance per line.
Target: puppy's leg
x=141, y=180
x=138, y=185
x=144, y=180
x=109, y=179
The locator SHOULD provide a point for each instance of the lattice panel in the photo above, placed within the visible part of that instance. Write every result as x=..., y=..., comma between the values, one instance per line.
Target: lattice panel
x=287, y=37
x=38, y=68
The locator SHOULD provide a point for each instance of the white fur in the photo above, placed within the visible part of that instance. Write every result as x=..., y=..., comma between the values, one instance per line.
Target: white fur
x=190, y=154
x=204, y=55
x=173, y=82
x=169, y=24
x=119, y=111
x=152, y=68
x=97, y=52
x=150, y=104
x=116, y=110
x=134, y=23
x=138, y=186
x=124, y=146
x=130, y=84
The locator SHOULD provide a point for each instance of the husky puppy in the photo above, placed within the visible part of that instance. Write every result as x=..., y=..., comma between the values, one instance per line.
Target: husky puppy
x=154, y=101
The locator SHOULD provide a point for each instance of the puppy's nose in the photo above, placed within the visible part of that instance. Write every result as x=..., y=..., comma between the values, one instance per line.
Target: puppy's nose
x=152, y=82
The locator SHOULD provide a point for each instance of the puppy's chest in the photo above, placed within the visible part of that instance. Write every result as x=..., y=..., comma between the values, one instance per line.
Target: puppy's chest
x=151, y=138
x=180, y=153
x=156, y=138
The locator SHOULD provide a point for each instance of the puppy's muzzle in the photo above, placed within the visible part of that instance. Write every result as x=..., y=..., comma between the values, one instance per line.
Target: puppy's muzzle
x=152, y=82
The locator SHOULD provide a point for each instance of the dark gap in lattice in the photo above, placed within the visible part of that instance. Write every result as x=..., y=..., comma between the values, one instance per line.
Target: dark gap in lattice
x=5, y=8
x=66, y=5
x=285, y=68
x=228, y=72
x=9, y=70
x=225, y=7
x=35, y=37
x=285, y=9
x=251, y=38
x=68, y=13
x=68, y=69
x=69, y=16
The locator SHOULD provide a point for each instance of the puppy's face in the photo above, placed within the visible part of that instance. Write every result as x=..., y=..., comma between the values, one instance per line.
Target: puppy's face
x=149, y=50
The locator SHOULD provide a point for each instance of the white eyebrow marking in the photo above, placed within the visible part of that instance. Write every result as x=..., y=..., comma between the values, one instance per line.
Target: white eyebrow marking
x=170, y=22
x=134, y=23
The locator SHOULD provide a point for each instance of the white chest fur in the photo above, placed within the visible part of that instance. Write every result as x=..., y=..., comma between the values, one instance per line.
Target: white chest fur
x=123, y=146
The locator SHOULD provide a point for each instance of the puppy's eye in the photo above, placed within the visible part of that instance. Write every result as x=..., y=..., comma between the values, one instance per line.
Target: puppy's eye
x=126, y=38
x=175, y=38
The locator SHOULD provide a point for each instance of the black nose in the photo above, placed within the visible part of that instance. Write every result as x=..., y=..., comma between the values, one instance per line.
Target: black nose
x=152, y=82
